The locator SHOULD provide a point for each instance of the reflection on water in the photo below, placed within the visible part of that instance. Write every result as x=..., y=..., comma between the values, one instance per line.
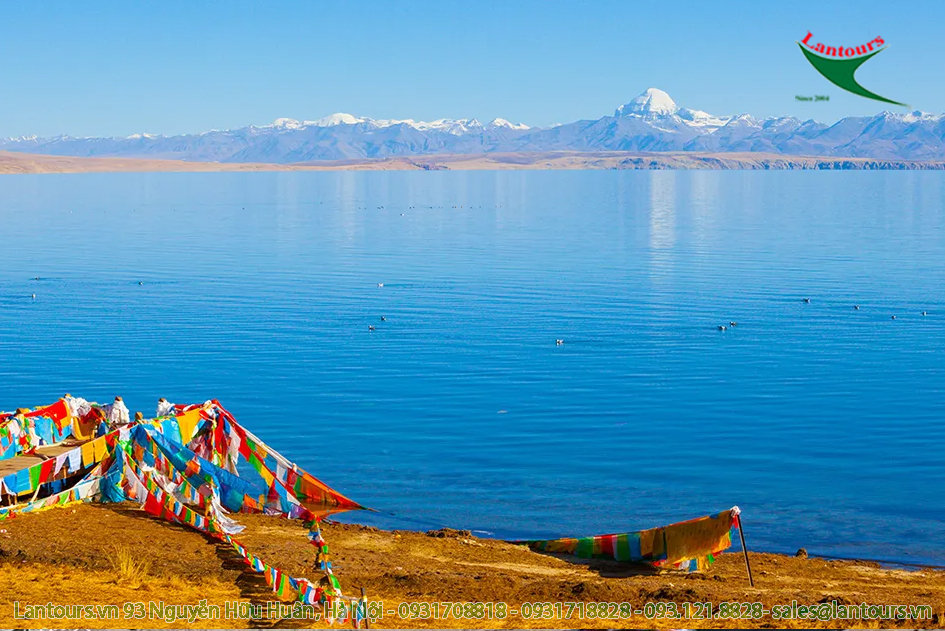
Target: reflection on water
x=662, y=209
x=820, y=421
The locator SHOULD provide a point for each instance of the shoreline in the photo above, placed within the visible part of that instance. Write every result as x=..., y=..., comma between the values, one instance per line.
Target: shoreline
x=24, y=163
x=350, y=519
x=73, y=555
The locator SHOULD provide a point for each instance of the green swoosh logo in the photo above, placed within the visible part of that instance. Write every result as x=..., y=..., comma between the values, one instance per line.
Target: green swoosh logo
x=840, y=73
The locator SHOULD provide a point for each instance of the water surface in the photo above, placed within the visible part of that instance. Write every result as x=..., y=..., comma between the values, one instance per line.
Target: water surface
x=824, y=423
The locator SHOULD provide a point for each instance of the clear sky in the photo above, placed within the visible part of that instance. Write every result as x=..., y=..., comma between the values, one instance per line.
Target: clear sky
x=117, y=68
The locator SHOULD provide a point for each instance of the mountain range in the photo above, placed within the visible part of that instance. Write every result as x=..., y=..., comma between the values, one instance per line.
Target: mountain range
x=651, y=122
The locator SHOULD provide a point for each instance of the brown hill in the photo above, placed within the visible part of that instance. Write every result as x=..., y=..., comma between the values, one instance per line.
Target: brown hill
x=33, y=163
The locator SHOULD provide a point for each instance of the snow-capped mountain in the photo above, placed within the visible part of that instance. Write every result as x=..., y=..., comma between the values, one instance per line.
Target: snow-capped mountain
x=650, y=122
x=453, y=126
x=501, y=122
x=651, y=104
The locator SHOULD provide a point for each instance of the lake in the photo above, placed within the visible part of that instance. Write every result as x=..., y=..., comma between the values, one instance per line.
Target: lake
x=824, y=423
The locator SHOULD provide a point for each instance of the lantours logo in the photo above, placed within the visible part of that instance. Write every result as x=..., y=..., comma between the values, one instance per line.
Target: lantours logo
x=838, y=64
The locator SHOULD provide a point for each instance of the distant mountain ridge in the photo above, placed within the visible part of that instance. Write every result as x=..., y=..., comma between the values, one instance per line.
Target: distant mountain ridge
x=651, y=122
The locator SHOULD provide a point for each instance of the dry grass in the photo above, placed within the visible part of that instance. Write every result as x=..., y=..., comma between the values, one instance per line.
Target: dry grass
x=29, y=584
x=130, y=568
x=95, y=555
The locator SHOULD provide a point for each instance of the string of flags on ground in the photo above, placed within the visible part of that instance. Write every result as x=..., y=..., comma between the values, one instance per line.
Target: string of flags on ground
x=193, y=467
x=689, y=546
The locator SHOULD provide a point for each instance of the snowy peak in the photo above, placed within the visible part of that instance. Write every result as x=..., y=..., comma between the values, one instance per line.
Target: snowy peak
x=698, y=118
x=290, y=124
x=744, y=119
x=654, y=106
x=455, y=126
x=653, y=102
x=496, y=123
x=339, y=118
x=285, y=123
x=918, y=115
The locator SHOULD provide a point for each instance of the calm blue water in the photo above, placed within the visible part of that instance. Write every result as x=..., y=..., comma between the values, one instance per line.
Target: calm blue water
x=825, y=424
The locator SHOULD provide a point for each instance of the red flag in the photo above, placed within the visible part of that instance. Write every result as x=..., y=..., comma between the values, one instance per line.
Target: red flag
x=46, y=470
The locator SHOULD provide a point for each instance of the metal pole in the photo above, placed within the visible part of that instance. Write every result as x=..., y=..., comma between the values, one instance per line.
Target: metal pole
x=367, y=621
x=741, y=535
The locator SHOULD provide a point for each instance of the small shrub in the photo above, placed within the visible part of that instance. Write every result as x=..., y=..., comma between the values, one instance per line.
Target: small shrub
x=131, y=568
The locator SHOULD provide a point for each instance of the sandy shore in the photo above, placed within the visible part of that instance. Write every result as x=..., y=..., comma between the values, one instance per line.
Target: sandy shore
x=12, y=163
x=94, y=554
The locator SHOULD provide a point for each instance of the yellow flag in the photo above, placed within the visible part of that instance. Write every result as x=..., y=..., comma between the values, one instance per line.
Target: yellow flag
x=188, y=424
x=100, y=449
x=88, y=454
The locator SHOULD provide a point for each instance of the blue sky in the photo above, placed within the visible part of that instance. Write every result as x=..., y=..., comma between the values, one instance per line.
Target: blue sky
x=117, y=68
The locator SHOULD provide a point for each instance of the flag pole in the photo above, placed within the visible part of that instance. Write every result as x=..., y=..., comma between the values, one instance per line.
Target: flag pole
x=367, y=621
x=741, y=535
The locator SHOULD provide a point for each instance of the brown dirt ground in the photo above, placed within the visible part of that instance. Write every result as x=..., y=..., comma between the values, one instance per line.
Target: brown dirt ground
x=14, y=162
x=70, y=556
